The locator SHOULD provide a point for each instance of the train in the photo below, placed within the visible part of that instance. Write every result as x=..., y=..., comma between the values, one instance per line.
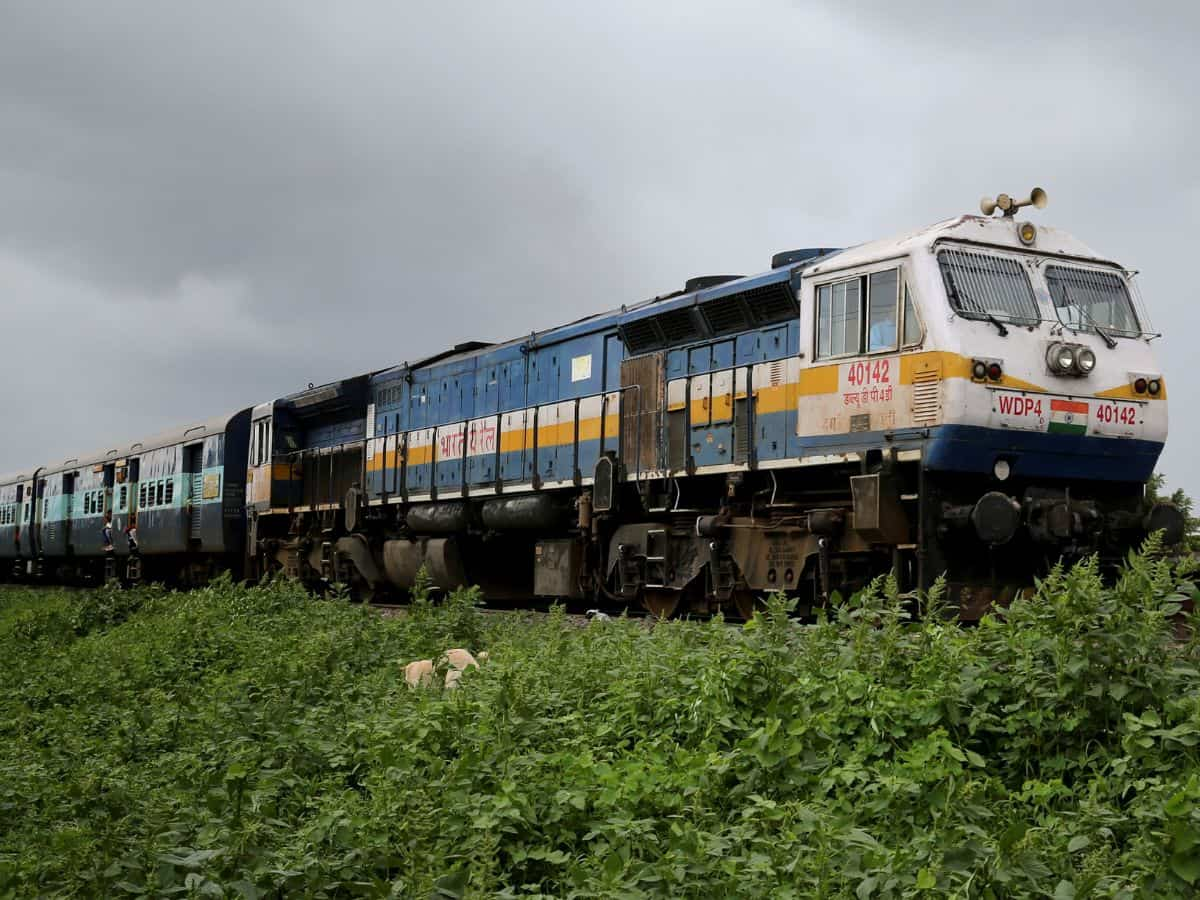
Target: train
x=971, y=401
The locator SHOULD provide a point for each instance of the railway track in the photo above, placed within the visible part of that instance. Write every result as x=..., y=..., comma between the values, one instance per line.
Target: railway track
x=577, y=613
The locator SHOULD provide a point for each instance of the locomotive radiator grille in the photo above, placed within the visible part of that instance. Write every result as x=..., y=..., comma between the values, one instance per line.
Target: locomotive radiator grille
x=927, y=397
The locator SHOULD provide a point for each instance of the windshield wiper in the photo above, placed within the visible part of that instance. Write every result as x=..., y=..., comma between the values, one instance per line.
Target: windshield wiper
x=999, y=325
x=957, y=296
x=1109, y=340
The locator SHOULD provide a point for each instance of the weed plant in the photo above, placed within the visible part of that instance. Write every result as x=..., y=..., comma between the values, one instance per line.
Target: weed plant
x=257, y=742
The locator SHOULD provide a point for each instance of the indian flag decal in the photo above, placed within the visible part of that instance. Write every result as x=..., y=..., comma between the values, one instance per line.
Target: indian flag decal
x=1068, y=417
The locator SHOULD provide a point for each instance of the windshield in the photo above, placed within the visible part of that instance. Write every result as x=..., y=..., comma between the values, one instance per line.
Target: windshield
x=983, y=286
x=1087, y=298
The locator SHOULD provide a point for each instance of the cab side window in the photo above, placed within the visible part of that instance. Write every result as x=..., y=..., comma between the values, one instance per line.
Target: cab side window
x=914, y=332
x=260, y=443
x=839, y=308
x=882, y=310
x=861, y=314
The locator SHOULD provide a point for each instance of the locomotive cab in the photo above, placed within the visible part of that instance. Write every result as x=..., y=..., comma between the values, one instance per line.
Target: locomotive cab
x=1053, y=408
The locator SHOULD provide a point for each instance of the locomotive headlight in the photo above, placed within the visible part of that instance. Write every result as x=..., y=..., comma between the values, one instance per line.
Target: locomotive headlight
x=1002, y=470
x=1027, y=233
x=1061, y=358
x=1085, y=359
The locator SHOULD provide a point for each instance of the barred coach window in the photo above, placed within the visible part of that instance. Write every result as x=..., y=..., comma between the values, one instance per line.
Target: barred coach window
x=980, y=285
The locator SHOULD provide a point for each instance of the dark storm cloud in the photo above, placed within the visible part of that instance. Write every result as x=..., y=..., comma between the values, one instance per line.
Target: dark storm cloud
x=207, y=206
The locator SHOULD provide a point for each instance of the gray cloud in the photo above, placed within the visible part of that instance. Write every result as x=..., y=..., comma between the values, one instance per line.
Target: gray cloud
x=207, y=206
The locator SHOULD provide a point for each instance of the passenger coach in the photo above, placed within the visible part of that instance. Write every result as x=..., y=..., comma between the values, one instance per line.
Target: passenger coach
x=169, y=507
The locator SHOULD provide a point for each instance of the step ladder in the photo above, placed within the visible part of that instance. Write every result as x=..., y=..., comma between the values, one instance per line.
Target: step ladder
x=291, y=564
x=629, y=570
x=657, y=547
x=328, y=567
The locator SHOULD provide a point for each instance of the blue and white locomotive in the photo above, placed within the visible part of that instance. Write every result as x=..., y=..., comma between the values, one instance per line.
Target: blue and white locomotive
x=974, y=398
x=977, y=398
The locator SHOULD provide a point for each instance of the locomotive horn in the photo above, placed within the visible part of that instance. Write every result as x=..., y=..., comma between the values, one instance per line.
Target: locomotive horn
x=1006, y=204
x=1002, y=202
x=1036, y=199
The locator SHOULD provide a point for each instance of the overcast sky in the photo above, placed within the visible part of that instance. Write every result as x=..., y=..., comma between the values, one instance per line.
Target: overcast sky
x=209, y=205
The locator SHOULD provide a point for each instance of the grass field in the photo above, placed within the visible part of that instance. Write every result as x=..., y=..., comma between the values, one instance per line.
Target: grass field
x=258, y=742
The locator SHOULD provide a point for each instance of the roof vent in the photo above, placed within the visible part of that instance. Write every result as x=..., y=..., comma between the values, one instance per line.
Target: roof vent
x=700, y=282
x=804, y=254
x=468, y=346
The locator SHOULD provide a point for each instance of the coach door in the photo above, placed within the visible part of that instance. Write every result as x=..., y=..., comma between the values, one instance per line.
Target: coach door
x=68, y=492
x=193, y=467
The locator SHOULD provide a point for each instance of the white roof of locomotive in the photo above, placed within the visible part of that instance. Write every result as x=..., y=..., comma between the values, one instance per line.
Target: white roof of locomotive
x=995, y=232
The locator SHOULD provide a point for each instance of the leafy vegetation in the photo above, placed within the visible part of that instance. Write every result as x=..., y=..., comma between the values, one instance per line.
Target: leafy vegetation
x=1156, y=490
x=258, y=742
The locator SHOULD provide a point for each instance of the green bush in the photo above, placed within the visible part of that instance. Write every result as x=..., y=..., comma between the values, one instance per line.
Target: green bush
x=252, y=742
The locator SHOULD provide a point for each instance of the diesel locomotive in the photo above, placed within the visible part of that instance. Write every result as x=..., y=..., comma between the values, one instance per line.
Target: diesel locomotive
x=975, y=399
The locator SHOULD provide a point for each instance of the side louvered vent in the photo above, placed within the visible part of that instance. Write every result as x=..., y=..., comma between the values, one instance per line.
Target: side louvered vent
x=725, y=316
x=640, y=336
x=771, y=303
x=927, y=398
x=678, y=326
x=741, y=431
x=776, y=373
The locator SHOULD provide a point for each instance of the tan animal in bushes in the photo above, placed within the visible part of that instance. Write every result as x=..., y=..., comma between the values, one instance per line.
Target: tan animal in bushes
x=423, y=672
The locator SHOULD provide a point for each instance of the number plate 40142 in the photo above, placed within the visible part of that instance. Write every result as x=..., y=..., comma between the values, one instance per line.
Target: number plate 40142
x=1117, y=418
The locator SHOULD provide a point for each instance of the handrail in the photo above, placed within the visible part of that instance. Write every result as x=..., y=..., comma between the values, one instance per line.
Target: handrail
x=637, y=450
x=399, y=442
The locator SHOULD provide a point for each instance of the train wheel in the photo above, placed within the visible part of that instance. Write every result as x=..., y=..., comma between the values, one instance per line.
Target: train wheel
x=746, y=603
x=660, y=603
